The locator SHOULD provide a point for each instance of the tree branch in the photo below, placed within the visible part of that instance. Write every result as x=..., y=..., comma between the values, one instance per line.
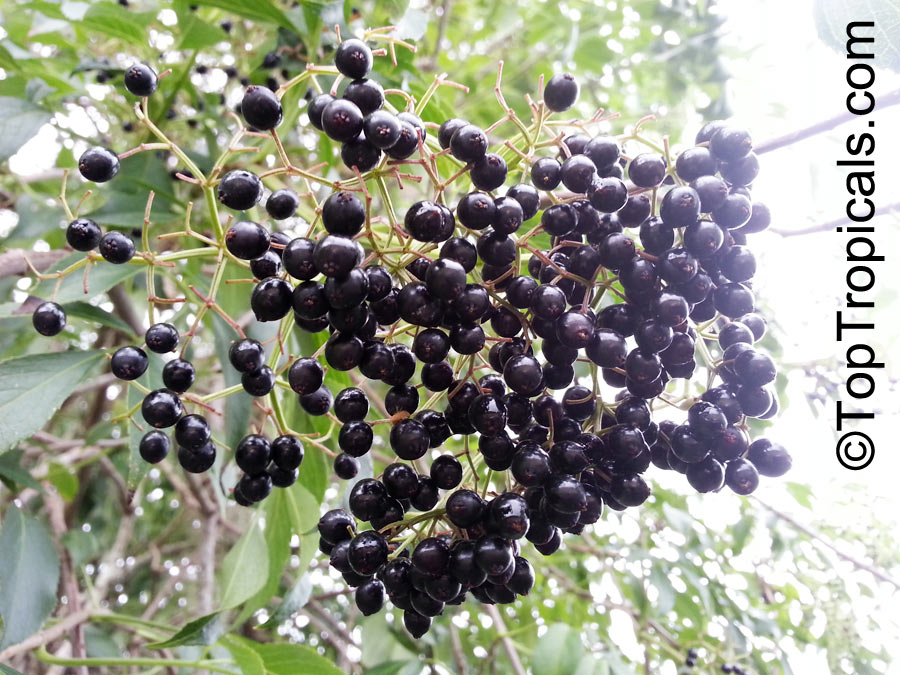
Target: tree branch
x=837, y=222
x=881, y=102
x=47, y=635
x=859, y=564
x=508, y=645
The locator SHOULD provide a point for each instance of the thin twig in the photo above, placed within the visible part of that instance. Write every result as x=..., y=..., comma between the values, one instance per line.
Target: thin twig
x=874, y=571
x=881, y=102
x=837, y=222
x=505, y=640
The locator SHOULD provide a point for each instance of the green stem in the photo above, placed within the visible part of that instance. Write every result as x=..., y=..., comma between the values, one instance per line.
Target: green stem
x=211, y=665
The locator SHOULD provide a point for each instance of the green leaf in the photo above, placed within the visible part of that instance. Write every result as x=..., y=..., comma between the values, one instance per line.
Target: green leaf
x=101, y=278
x=20, y=120
x=244, y=656
x=288, y=659
x=85, y=310
x=258, y=10
x=801, y=493
x=833, y=16
x=666, y=599
x=6, y=670
x=33, y=387
x=203, y=632
x=65, y=481
x=242, y=570
x=11, y=470
x=113, y=20
x=29, y=573
x=558, y=651
x=292, y=603
x=197, y=34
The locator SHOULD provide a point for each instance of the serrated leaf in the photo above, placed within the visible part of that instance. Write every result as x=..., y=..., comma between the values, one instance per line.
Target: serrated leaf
x=33, y=387
x=833, y=16
x=558, y=651
x=203, y=631
x=241, y=575
x=20, y=120
x=29, y=573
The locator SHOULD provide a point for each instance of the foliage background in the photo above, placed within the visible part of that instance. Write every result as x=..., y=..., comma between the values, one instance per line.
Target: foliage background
x=159, y=575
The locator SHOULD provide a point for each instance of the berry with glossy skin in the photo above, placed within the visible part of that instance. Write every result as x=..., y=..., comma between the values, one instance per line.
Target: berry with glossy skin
x=252, y=454
x=116, y=247
x=695, y=162
x=603, y=151
x=770, y=459
x=83, y=234
x=247, y=240
x=706, y=475
x=468, y=144
x=408, y=142
x=192, y=432
x=753, y=368
x=128, y=363
x=178, y=375
x=629, y=490
x=729, y=144
x=741, y=476
x=316, y=107
x=98, y=164
x=577, y=173
x=267, y=265
x=565, y=493
x=367, y=94
x=199, y=460
x=508, y=515
x=409, y=439
x=733, y=300
x=382, y=129
x=647, y=170
x=446, y=472
x=493, y=554
x=431, y=557
x=488, y=172
x=370, y=597
x=246, y=356
x=297, y=258
x=154, y=446
x=271, y=299
x=161, y=408
x=546, y=173
x=259, y=382
x=734, y=211
x=608, y=195
x=336, y=256
x=345, y=466
x=680, y=206
x=561, y=92
x=353, y=58
x=465, y=508
x=367, y=553
x=140, y=80
x=161, y=338
x=342, y=120
x=240, y=190
x=415, y=623
x=261, y=108
x=282, y=204
x=287, y=452
x=359, y=154
x=49, y=319
x=335, y=526
x=447, y=129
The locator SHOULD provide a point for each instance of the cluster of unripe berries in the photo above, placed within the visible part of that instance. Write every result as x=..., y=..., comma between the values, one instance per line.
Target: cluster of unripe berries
x=619, y=287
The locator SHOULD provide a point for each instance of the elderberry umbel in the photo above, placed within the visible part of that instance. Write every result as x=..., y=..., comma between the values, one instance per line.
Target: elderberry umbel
x=518, y=352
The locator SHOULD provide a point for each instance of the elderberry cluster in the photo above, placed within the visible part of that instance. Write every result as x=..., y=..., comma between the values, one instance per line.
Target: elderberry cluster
x=602, y=281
